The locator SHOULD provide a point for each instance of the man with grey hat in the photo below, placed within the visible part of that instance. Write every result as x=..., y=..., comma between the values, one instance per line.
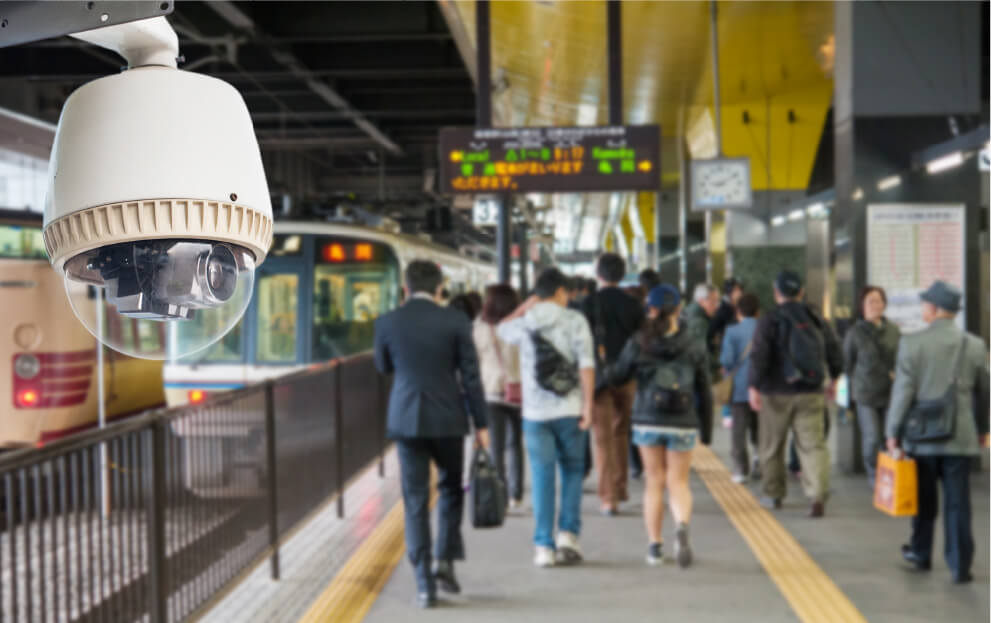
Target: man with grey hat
x=793, y=351
x=945, y=370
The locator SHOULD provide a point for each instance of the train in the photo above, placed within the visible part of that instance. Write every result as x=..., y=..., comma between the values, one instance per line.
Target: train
x=316, y=298
x=48, y=360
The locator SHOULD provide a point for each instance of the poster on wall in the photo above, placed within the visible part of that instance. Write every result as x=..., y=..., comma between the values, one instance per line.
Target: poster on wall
x=910, y=245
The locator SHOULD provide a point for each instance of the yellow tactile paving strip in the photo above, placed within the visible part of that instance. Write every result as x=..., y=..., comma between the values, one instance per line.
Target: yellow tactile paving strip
x=813, y=596
x=358, y=584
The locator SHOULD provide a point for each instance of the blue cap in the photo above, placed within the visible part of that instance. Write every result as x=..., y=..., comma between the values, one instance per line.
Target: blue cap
x=663, y=295
x=943, y=295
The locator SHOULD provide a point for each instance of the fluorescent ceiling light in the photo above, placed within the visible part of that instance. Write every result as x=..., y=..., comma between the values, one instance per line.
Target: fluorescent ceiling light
x=889, y=182
x=778, y=220
x=858, y=194
x=796, y=215
x=946, y=162
x=815, y=209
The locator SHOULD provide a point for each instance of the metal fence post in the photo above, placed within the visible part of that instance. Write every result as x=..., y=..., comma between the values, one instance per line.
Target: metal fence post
x=157, y=573
x=381, y=418
x=339, y=437
x=273, y=480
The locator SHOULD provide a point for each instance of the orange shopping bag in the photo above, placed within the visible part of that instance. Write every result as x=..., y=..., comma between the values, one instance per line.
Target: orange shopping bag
x=896, y=486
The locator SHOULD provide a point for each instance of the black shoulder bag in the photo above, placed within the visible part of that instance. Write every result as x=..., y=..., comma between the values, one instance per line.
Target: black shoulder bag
x=935, y=419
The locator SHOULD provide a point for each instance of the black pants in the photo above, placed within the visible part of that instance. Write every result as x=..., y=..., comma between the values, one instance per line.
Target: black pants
x=506, y=430
x=954, y=472
x=744, y=429
x=414, y=466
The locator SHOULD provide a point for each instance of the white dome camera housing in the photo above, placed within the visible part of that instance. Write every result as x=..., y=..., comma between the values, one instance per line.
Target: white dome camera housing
x=158, y=196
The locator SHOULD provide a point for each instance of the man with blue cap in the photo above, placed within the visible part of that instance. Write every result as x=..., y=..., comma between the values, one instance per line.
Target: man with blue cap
x=930, y=363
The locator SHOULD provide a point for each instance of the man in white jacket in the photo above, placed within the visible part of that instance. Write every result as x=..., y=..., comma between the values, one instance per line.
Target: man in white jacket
x=554, y=425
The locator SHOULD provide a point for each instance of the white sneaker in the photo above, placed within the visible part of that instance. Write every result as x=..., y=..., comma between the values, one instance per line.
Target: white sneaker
x=655, y=554
x=544, y=557
x=738, y=478
x=568, y=550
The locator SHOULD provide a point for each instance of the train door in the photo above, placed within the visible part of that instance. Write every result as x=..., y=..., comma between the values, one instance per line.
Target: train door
x=276, y=339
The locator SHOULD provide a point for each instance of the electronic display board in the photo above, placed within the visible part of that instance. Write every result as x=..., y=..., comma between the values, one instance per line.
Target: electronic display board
x=550, y=159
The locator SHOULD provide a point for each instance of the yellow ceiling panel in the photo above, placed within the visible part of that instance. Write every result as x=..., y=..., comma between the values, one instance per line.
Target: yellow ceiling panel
x=774, y=57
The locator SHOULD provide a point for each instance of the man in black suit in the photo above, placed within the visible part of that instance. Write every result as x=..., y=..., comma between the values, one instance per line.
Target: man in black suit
x=431, y=351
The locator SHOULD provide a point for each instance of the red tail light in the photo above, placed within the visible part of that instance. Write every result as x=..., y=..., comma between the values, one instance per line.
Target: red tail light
x=28, y=398
x=196, y=396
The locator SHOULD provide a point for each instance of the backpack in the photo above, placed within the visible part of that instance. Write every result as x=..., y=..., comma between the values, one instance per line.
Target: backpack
x=803, y=349
x=554, y=373
x=672, y=387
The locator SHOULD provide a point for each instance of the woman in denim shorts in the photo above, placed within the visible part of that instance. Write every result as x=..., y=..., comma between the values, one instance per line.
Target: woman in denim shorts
x=672, y=410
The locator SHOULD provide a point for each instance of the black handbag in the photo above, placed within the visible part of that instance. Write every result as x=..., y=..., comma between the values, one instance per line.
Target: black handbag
x=488, y=492
x=935, y=419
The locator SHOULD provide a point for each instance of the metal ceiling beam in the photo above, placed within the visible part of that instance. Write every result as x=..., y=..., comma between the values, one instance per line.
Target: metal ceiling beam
x=287, y=39
x=375, y=73
x=337, y=115
x=359, y=143
x=240, y=20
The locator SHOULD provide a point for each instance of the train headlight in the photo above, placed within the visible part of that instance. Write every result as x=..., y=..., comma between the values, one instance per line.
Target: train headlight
x=27, y=366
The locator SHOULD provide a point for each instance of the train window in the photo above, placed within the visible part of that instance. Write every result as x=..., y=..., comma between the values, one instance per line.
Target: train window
x=277, y=307
x=229, y=349
x=354, y=282
x=150, y=337
x=18, y=242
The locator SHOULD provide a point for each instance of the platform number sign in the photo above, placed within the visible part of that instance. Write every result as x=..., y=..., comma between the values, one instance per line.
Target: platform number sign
x=485, y=211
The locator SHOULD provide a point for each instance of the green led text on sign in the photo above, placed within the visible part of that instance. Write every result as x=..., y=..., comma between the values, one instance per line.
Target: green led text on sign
x=585, y=159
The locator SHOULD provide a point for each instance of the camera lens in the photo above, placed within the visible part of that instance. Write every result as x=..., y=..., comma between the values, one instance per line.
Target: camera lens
x=176, y=297
x=218, y=274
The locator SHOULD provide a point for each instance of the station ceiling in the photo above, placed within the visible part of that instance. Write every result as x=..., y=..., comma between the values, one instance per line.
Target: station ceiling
x=550, y=67
x=335, y=89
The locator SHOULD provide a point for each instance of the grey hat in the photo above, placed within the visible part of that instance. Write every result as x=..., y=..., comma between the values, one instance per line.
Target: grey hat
x=943, y=295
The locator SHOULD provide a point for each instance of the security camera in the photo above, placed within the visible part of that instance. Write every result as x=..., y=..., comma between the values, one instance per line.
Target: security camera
x=156, y=195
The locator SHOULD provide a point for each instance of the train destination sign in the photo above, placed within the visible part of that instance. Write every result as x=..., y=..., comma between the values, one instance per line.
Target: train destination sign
x=550, y=159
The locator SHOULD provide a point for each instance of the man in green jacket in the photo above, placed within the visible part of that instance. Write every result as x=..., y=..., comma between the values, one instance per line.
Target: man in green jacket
x=928, y=363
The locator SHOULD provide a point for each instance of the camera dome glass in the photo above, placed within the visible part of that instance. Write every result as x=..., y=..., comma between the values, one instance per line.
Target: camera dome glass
x=160, y=299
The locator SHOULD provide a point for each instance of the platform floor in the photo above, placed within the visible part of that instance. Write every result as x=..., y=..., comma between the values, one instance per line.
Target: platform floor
x=784, y=567
x=855, y=546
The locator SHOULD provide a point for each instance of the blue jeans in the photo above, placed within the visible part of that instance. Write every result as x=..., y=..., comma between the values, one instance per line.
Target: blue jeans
x=555, y=443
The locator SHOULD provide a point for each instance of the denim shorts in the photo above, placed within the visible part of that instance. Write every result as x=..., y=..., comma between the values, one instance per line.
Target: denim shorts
x=679, y=442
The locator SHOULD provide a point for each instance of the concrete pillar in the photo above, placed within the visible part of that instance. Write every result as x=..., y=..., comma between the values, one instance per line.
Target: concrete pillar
x=901, y=69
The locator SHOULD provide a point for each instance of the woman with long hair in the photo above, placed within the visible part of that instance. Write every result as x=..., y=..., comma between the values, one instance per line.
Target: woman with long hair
x=671, y=412
x=500, y=368
x=869, y=351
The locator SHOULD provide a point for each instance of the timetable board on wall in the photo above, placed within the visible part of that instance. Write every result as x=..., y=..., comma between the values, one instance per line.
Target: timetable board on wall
x=909, y=246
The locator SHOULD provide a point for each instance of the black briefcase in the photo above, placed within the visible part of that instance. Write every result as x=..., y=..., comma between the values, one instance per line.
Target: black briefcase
x=487, y=492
